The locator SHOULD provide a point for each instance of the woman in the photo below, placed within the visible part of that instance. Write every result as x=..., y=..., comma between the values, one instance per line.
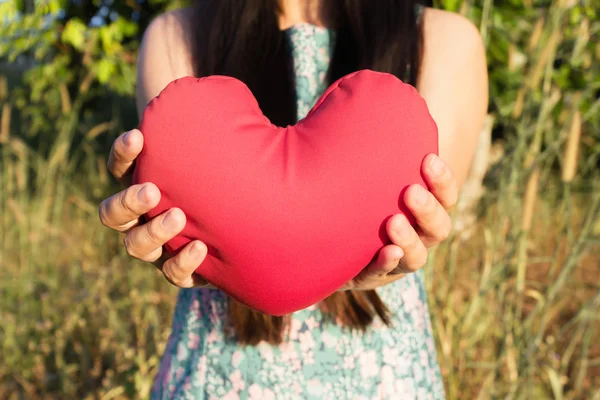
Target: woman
x=373, y=338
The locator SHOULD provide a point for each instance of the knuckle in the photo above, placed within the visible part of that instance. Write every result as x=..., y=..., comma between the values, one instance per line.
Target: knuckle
x=410, y=267
x=412, y=244
x=153, y=232
x=124, y=198
x=444, y=182
x=361, y=284
x=360, y=281
x=175, y=280
x=416, y=264
x=167, y=271
x=103, y=213
x=150, y=257
x=174, y=271
x=129, y=247
x=117, y=149
x=169, y=277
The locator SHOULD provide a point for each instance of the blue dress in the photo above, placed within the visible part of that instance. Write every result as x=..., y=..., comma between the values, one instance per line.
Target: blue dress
x=318, y=359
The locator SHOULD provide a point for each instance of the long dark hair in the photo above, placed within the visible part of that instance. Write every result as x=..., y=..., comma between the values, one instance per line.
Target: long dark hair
x=242, y=38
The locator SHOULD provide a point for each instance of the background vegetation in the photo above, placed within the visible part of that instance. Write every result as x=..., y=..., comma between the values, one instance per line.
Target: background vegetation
x=515, y=307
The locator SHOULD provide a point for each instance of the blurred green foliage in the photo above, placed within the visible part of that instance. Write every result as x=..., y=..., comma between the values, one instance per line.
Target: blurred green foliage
x=527, y=38
x=73, y=58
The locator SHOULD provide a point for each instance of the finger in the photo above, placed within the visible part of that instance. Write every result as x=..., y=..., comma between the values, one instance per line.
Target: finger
x=122, y=210
x=441, y=180
x=386, y=261
x=123, y=153
x=198, y=280
x=434, y=223
x=404, y=235
x=371, y=276
x=143, y=241
x=179, y=270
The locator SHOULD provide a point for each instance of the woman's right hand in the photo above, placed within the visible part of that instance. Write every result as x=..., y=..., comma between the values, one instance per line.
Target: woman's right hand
x=144, y=241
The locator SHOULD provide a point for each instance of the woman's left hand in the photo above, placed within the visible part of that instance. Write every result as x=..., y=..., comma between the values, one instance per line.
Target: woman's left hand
x=408, y=253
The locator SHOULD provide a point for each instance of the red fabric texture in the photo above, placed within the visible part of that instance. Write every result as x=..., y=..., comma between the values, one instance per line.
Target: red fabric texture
x=289, y=214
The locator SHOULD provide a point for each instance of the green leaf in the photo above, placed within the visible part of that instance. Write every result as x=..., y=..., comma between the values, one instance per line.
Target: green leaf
x=127, y=28
x=105, y=69
x=9, y=10
x=451, y=5
x=110, y=39
x=54, y=6
x=74, y=33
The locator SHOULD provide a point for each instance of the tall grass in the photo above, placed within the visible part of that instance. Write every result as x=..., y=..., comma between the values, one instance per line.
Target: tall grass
x=514, y=307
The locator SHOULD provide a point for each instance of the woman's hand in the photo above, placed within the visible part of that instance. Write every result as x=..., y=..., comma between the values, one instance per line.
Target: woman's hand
x=408, y=253
x=144, y=241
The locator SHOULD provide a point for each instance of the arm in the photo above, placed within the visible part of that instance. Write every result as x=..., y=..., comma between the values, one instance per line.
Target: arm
x=453, y=82
x=164, y=56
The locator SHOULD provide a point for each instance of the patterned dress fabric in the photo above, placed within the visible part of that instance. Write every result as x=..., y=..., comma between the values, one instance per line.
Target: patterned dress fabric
x=318, y=359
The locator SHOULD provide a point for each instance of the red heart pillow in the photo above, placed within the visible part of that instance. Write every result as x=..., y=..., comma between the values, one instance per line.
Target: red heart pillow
x=288, y=214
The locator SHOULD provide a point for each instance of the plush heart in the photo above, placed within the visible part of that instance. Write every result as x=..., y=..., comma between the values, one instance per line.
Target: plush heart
x=289, y=214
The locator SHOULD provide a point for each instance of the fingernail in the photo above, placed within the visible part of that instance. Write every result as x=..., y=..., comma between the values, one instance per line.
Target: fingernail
x=169, y=221
x=421, y=195
x=436, y=166
x=142, y=195
x=127, y=138
x=195, y=251
x=401, y=228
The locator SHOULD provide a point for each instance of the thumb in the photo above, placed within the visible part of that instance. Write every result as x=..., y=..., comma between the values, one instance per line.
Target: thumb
x=386, y=261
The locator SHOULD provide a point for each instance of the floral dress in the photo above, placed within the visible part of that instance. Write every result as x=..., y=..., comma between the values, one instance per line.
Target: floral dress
x=318, y=359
